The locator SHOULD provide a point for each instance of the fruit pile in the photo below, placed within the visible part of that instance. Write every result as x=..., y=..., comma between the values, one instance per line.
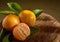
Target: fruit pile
x=19, y=25
x=19, y=21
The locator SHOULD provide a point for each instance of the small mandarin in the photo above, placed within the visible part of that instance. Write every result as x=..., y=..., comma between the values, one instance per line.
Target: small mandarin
x=27, y=17
x=10, y=21
x=21, y=31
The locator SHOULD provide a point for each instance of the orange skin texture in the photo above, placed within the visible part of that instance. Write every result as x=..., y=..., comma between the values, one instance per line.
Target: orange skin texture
x=28, y=17
x=10, y=21
x=21, y=31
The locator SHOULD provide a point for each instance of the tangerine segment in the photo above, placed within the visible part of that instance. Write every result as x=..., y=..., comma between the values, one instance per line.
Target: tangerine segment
x=21, y=31
x=27, y=17
x=10, y=21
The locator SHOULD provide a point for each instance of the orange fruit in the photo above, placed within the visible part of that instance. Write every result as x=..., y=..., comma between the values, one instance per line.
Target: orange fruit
x=27, y=17
x=10, y=21
x=21, y=31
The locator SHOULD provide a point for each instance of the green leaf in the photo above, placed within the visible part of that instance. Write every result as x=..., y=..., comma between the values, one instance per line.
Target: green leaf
x=3, y=34
x=33, y=30
x=37, y=12
x=6, y=12
x=15, y=7
x=6, y=38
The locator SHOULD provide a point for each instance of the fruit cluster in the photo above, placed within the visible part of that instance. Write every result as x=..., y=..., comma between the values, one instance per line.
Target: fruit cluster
x=19, y=24
x=18, y=21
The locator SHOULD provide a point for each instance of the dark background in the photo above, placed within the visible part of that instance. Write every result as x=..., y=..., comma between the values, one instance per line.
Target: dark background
x=51, y=7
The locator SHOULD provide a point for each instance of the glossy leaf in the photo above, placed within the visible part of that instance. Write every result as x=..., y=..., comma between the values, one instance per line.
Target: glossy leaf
x=6, y=12
x=3, y=34
x=15, y=7
x=6, y=38
x=37, y=12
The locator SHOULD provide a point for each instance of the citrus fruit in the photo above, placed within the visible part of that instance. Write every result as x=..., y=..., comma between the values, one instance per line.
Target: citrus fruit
x=10, y=21
x=27, y=17
x=21, y=31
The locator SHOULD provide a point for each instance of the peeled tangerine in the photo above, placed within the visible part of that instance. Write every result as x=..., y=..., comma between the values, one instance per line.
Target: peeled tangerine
x=27, y=17
x=10, y=21
x=21, y=31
